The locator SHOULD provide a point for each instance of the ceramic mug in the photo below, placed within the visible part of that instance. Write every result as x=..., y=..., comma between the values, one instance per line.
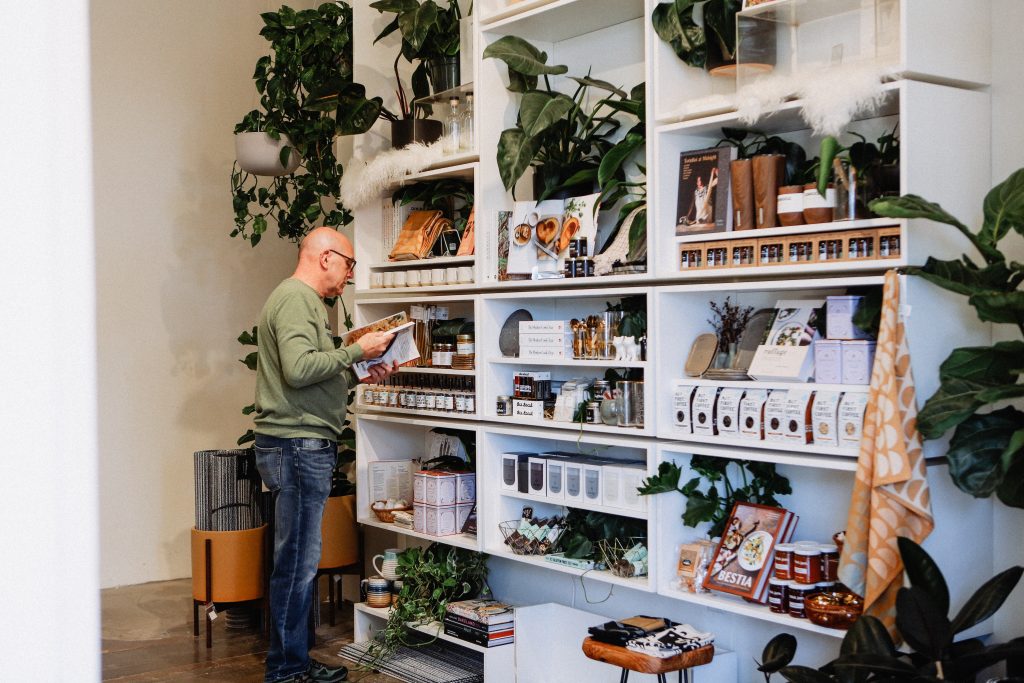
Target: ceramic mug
x=412, y=278
x=389, y=279
x=438, y=276
x=377, y=280
x=400, y=278
x=465, y=274
x=426, y=277
x=451, y=274
x=388, y=567
x=378, y=592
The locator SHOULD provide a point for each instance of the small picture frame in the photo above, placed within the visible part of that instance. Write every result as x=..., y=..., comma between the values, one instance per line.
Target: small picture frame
x=449, y=241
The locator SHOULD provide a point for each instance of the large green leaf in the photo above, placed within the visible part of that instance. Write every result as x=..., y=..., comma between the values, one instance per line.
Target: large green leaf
x=873, y=663
x=985, y=364
x=955, y=401
x=924, y=573
x=539, y=111
x=521, y=56
x=515, y=152
x=999, y=307
x=1004, y=209
x=868, y=635
x=976, y=450
x=598, y=83
x=616, y=156
x=675, y=24
x=518, y=82
x=416, y=25
x=779, y=652
x=970, y=664
x=964, y=278
x=666, y=480
x=1011, y=490
x=913, y=206
x=987, y=600
x=921, y=623
x=1003, y=393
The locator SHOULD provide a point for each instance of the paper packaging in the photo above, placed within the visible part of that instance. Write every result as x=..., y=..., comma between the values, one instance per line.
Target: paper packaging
x=555, y=478
x=858, y=360
x=440, y=521
x=465, y=488
x=537, y=469
x=574, y=480
x=391, y=480
x=514, y=475
x=775, y=415
x=752, y=414
x=828, y=362
x=851, y=418
x=592, y=482
x=824, y=416
x=631, y=477
x=704, y=401
x=797, y=422
x=532, y=410
x=682, y=403
x=435, y=488
x=611, y=486
x=782, y=364
x=841, y=310
x=727, y=416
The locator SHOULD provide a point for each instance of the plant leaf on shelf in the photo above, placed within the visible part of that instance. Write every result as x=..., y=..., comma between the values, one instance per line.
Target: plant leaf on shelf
x=522, y=57
x=976, y=451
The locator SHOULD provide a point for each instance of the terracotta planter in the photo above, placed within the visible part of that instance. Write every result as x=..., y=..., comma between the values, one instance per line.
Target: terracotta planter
x=340, y=533
x=236, y=568
x=261, y=154
x=769, y=172
x=741, y=178
x=790, y=206
x=818, y=209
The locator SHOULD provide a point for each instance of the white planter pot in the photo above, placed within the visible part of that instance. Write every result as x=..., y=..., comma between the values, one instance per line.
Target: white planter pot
x=261, y=154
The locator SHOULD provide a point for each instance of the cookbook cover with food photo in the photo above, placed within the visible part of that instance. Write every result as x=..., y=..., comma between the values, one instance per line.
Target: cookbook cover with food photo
x=540, y=233
x=742, y=561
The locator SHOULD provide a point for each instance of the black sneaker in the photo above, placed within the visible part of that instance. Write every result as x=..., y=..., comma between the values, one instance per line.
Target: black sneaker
x=322, y=673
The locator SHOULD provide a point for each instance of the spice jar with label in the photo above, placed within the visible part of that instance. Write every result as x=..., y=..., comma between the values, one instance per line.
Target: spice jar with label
x=593, y=414
x=441, y=356
x=829, y=561
x=783, y=566
x=777, y=594
x=465, y=352
x=796, y=595
x=807, y=564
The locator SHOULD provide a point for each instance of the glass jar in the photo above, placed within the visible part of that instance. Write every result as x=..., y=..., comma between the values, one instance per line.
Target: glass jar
x=467, y=140
x=777, y=590
x=783, y=566
x=807, y=565
x=610, y=411
x=452, y=135
x=829, y=561
x=796, y=595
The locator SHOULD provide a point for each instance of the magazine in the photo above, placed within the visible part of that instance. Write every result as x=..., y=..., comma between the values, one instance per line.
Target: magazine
x=742, y=562
x=401, y=350
x=703, y=203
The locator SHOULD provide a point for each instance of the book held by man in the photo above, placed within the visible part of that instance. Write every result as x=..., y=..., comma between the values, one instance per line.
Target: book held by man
x=401, y=350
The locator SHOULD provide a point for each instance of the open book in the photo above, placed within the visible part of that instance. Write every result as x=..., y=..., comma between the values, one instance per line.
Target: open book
x=401, y=350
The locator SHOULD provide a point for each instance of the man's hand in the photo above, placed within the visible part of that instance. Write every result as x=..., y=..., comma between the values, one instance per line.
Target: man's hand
x=379, y=373
x=374, y=343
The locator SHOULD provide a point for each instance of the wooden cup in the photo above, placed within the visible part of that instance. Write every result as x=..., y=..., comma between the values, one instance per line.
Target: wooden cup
x=769, y=172
x=741, y=177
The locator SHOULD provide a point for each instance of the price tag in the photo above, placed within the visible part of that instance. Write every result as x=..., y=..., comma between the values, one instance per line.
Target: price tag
x=417, y=313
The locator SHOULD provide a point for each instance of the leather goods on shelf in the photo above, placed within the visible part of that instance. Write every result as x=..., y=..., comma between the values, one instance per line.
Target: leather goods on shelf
x=418, y=235
x=468, y=244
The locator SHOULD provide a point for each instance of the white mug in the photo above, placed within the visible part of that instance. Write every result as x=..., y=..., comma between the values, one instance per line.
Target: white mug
x=426, y=276
x=389, y=278
x=438, y=276
x=400, y=278
x=388, y=566
x=412, y=278
x=465, y=274
x=451, y=274
x=377, y=280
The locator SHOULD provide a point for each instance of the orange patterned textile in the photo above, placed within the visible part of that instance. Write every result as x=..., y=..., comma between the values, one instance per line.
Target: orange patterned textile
x=890, y=494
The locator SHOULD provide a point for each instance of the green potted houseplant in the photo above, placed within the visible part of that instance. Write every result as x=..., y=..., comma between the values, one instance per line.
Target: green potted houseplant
x=710, y=41
x=554, y=132
x=307, y=99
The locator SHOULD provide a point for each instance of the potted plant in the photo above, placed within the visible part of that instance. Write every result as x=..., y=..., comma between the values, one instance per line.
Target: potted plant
x=307, y=99
x=986, y=452
x=711, y=42
x=554, y=133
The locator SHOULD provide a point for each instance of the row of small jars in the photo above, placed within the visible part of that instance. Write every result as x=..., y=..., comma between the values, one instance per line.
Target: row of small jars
x=789, y=597
x=806, y=562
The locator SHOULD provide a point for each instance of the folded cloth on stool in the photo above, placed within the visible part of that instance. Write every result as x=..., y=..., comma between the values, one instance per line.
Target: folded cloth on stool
x=671, y=641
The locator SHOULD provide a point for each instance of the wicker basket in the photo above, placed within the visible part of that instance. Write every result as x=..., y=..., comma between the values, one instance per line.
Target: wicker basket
x=388, y=516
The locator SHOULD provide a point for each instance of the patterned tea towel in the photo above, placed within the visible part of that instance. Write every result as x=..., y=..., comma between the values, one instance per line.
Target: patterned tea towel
x=890, y=493
x=671, y=642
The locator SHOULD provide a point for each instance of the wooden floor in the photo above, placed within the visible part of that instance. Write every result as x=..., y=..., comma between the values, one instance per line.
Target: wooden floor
x=147, y=636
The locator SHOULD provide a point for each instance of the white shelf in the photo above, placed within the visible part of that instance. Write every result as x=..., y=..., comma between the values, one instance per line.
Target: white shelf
x=363, y=410
x=571, y=282
x=440, y=261
x=754, y=384
x=641, y=583
x=535, y=498
x=822, y=457
x=736, y=605
x=462, y=166
x=813, y=228
x=433, y=628
x=398, y=292
x=458, y=540
x=574, y=426
x=812, y=268
x=556, y=20
x=570, y=362
x=437, y=371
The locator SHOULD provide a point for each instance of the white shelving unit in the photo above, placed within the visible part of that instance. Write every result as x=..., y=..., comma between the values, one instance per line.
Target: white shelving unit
x=936, y=96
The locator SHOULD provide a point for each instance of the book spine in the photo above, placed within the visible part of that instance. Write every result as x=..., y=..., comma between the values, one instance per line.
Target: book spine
x=476, y=637
x=476, y=623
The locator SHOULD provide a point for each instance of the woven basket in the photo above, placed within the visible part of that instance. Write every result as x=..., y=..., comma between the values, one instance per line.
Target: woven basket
x=388, y=516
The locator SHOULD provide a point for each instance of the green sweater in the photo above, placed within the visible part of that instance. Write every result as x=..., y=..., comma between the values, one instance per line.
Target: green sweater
x=302, y=381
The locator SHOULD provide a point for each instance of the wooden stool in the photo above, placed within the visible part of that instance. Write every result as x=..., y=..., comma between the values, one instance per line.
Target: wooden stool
x=629, y=660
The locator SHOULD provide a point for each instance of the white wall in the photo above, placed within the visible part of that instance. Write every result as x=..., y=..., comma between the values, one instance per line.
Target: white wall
x=170, y=79
x=49, y=573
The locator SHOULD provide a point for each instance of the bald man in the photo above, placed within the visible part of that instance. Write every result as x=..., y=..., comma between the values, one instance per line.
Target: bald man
x=302, y=385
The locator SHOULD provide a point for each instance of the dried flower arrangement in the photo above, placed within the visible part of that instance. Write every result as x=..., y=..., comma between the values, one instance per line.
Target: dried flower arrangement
x=729, y=321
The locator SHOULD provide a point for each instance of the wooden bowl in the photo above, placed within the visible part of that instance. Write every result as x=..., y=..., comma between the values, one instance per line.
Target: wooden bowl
x=834, y=609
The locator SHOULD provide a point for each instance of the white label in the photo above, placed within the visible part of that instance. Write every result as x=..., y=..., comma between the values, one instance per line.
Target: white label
x=542, y=352
x=823, y=416
x=544, y=326
x=791, y=203
x=417, y=312
x=526, y=408
x=813, y=200
x=787, y=363
x=439, y=312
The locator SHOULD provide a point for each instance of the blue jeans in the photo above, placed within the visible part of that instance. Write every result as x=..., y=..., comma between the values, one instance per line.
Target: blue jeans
x=298, y=472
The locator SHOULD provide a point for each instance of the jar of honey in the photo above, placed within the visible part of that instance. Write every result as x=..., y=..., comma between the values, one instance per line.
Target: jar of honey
x=777, y=594
x=783, y=565
x=796, y=595
x=829, y=561
x=807, y=564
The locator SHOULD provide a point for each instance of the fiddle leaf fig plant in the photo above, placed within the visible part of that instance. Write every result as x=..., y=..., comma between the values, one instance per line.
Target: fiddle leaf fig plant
x=986, y=452
x=676, y=23
x=307, y=94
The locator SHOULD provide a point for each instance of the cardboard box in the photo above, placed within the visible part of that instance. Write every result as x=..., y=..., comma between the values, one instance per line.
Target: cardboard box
x=828, y=362
x=775, y=415
x=631, y=477
x=771, y=251
x=555, y=478
x=727, y=414
x=538, y=466
x=574, y=480
x=437, y=521
x=800, y=249
x=544, y=352
x=858, y=361
x=742, y=253
x=436, y=488
x=557, y=340
x=889, y=242
x=691, y=257
x=592, y=482
x=514, y=471
x=716, y=255
x=611, y=486
x=465, y=488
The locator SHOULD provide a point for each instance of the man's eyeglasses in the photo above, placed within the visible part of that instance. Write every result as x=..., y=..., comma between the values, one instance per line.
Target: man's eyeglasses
x=348, y=259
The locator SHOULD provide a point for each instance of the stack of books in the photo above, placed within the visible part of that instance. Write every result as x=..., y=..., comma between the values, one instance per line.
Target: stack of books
x=487, y=623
